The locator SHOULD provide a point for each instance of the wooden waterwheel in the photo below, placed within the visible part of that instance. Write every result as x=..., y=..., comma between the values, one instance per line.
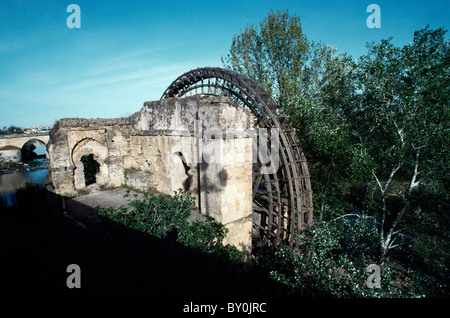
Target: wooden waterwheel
x=282, y=199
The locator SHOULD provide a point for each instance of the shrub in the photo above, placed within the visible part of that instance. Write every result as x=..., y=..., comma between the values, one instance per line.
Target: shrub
x=333, y=261
x=160, y=214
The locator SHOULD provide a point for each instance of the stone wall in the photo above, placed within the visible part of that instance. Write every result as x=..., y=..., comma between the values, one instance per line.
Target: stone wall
x=200, y=144
x=11, y=153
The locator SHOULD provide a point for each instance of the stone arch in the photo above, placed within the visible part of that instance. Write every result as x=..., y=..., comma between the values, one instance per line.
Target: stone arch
x=38, y=140
x=88, y=146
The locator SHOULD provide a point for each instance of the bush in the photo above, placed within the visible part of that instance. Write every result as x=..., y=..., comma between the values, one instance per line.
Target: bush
x=161, y=214
x=333, y=261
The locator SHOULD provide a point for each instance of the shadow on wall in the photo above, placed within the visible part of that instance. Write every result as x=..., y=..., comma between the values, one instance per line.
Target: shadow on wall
x=40, y=242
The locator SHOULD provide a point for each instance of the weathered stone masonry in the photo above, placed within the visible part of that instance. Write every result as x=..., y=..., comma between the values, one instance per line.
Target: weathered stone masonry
x=200, y=144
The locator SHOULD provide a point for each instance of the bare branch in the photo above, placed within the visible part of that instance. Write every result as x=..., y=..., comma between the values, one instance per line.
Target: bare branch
x=346, y=215
x=378, y=181
x=393, y=246
x=413, y=184
x=391, y=176
x=400, y=133
x=394, y=224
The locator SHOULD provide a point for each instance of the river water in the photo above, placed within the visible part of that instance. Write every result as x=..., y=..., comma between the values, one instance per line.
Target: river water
x=10, y=183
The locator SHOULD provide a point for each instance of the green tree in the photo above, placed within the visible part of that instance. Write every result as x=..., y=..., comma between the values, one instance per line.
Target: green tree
x=382, y=122
x=323, y=113
x=278, y=56
x=403, y=121
x=15, y=130
x=11, y=130
x=273, y=55
x=379, y=125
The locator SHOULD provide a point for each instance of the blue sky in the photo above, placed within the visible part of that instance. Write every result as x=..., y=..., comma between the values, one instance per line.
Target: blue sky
x=128, y=52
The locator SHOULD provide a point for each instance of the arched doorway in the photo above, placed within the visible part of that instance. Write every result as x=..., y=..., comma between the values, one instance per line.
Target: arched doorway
x=90, y=167
x=88, y=156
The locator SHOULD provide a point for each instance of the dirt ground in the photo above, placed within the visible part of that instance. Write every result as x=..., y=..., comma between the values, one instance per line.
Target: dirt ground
x=108, y=198
x=83, y=208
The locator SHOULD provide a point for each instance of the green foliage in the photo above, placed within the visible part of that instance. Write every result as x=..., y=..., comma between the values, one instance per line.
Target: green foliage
x=321, y=111
x=11, y=130
x=404, y=103
x=380, y=125
x=7, y=164
x=203, y=235
x=273, y=55
x=376, y=134
x=428, y=224
x=333, y=261
x=162, y=214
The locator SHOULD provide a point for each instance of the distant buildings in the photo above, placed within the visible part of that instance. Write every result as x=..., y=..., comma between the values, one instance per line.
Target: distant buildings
x=13, y=130
x=36, y=130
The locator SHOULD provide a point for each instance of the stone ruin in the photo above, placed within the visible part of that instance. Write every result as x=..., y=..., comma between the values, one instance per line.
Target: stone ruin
x=200, y=144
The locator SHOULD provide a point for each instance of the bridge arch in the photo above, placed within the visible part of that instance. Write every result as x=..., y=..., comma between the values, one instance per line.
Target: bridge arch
x=33, y=140
x=11, y=145
x=282, y=200
x=36, y=139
